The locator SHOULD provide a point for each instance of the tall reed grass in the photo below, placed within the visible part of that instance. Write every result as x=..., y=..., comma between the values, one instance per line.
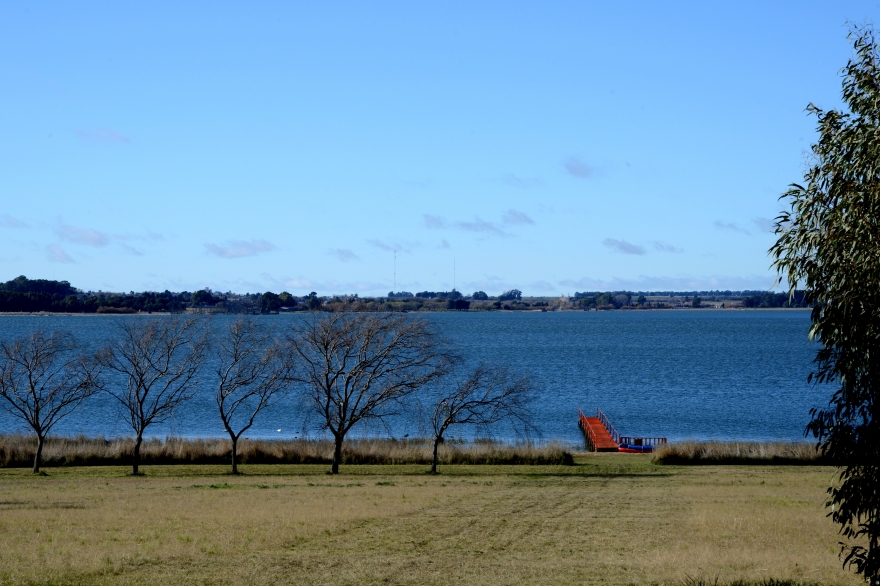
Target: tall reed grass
x=18, y=451
x=718, y=452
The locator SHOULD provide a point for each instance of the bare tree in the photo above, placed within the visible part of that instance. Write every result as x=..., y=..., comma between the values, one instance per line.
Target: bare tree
x=488, y=395
x=359, y=366
x=252, y=370
x=158, y=359
x=43, y=379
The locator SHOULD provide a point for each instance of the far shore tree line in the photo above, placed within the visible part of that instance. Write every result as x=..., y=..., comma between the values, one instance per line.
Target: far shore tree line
x=38, y=295
x=348, y=369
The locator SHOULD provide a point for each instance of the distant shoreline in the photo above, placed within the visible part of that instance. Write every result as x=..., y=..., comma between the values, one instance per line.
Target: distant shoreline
x=641, y=309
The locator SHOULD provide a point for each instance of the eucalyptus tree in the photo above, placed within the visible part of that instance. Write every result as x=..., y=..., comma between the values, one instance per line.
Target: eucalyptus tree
x=829, y=245
x=253, y=369
x=357, y=367
x=486, y=396
x=156, y=362
x=43, y=378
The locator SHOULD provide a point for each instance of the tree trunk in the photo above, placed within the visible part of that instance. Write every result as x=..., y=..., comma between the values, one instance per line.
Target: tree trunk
x=437, y=441
x=137, y=455
x=38, y=457
x=337, y=455
x=234, y=452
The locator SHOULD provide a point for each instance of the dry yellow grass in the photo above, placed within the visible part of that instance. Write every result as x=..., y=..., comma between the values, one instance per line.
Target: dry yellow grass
x=18, y=451
x=721, y=452
x=612, y=519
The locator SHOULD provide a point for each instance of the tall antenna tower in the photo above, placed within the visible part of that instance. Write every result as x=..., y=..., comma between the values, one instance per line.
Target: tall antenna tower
x=453, y=273
x=395, y=271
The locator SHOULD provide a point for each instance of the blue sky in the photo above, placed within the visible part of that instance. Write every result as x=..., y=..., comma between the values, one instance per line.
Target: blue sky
x=549, y=147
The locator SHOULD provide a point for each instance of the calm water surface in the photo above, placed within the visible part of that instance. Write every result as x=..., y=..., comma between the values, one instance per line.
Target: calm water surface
x=680, y=374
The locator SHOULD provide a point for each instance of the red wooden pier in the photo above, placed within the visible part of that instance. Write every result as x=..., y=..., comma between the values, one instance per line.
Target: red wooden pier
x=600, y=436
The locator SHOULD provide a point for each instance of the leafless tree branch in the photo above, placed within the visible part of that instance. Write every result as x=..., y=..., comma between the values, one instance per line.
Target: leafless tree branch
x=359, y=366
x=43, y=379
x=158, y=361
x=487, y=396
x=252, y=371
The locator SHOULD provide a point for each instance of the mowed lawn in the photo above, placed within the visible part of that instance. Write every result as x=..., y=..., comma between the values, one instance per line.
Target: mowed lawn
x=612, y=519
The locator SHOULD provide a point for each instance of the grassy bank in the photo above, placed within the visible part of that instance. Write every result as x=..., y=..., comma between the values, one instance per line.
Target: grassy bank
x=752, y=453
x=18, y=451
x=609, y=519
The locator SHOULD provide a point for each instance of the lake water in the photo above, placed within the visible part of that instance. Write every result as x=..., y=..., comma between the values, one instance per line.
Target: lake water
x=679, y=374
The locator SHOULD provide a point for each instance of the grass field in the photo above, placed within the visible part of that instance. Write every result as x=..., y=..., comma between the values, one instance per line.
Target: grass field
x=611, y=519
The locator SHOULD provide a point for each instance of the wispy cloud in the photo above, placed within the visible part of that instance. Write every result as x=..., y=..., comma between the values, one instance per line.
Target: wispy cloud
x=443, y=244
x=481, y=226
x=663, y=247
x=392, y=246
x=344, y=254
x=85, y=236
x=150, y=236
x=516, y=218
x=542, y=286
x=491, y=284
x=434, y=222
x=102, y=135
x=420, y=183
x=521, y=182
x=131, y=249
x=304, y=285
x=730, y=226
x=123, y=241
x=578, y=168
x=623, y=246
x=7, y=221
x=671, y=283
x=764, y=224
x=55, y=254
x=240, y=248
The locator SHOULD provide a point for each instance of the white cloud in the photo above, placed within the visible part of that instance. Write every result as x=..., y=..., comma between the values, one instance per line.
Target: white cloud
x=303, y=285
x=55, y=254
x=102, y=135
x=84, y=236
x=343, y=254
x=578, y=168
x=623, y=246
x=393, y=246
x=521, y=182
x=481, y=226
x=671, y=283
x=131, y=249
x=542, y=286
x=764, y=224
x=434, y=222
x=7, y=221
x=663, y=247
x=515, y=218
x=240, y=248
x=730, y=226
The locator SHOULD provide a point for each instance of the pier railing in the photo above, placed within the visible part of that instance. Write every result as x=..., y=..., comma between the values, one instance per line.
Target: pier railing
x=642, y=441
x=605, y=421
x=589, y=438
x=592, y=441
